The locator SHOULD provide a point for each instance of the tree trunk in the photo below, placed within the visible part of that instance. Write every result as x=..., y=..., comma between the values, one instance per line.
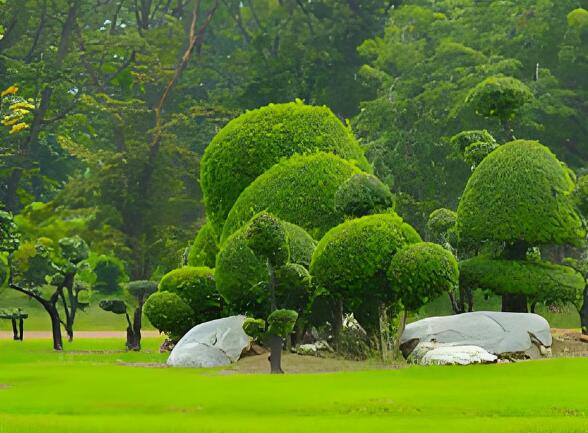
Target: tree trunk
x=337, y=323
x=384, y=332
x=55, y=326
x=275, y=359
x=135, y=344
x=584, y=313
x=514, y=303
x=401, y=327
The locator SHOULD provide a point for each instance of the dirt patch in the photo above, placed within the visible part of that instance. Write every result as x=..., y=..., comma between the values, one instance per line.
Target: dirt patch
x=298, y=364
x=568, y=343
x=4, y=386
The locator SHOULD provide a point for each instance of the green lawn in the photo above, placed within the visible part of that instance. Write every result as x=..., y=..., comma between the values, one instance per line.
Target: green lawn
x=79, y=392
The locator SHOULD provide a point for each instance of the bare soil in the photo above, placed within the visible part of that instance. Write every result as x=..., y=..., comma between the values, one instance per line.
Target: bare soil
x=569, y=343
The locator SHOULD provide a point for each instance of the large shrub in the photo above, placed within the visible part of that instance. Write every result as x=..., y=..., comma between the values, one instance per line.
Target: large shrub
x=110, y=273
x=253, y=142
x=170, y=314
x=242, y=275
x=300, y=190
x=520, y=192
x=441, y=226
x=421, y=272
x=197, y=287
x=540, y=281
x=352, y=259
x=203, y=250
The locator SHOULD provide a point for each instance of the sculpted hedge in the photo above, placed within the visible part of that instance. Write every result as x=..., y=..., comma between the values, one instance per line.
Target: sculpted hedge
x=300, y=190
x=255, y=141
x=203, y=250
x=519, y=192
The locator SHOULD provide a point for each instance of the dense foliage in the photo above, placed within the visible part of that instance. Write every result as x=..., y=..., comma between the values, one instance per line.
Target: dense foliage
x=421, y=272
x=204, y=249
x=300, y=190
x=362, y=195
x=540, y=281
x=253, y=142
x=519, y=192
x=170, y=314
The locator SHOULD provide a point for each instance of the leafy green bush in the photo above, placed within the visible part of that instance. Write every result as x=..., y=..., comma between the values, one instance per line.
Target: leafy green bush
x=421, y=272
x=141, y=289
x=253, y=142
x=196, y=286
x=170, y=314
x=266, y=237
x=300, y=244
x=281, y=322
x=541, y=281
x=441, y=226
x=581, y=195
x=110, y=272
x=203, y=250
x=464, y=139
x=4, y=271
x=352, y=259
x=300, y=190
x=499, y=96
x=363, y=194
x=116, y=306
x=519, y=192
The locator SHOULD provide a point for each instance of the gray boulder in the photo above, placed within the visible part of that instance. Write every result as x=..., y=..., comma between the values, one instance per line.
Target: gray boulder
x=211, y=344
x=502, y=334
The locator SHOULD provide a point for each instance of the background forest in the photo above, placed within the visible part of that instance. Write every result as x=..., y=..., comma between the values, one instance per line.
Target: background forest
x=109, y=104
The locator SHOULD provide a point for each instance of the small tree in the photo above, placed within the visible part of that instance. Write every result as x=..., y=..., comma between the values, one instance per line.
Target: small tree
x=48, y=274
x=139, y=291
x=500, y=97
x=518, y=198
x=170, y=314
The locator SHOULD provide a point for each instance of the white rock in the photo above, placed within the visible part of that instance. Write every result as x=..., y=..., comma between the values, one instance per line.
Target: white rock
x=211, y=344
x=496, y=332
x=457, y=355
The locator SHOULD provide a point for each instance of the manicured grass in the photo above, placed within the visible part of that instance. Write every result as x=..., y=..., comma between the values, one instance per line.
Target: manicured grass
x=77, y=392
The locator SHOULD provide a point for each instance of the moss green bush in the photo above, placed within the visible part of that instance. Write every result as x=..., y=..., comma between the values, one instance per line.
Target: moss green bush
x=421, y=272
x=253, y=142
x=441, y=226
x=300, y=190
x=352, y=259
x=281, y=322
x=541, y=281
x=197, y=287
x=266, y=237
x=203, y=250
x=242, y=278
x=519, y=192
x=170, y=314
x=464, y=139
x=363, y=194
x=499, y=96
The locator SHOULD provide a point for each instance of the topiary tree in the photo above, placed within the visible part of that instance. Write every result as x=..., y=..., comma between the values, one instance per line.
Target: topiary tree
x=441, y=227
x=170, y=314
x=363, y=194
x=280, y=324
x=197, y=287
x=421, y=272
x=203, y=250
x=242, y=276
x=520, y=196
x=253, y=142
x=267, y=238
x=474, y=146
x=300, y=190
x=110, y=273
x=500, y=97
x=351, y=263
x=138, y=291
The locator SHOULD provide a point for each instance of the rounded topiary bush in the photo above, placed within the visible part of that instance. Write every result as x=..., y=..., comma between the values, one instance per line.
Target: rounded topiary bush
x=499, y=96
x=253, y=142
x=352, y=259
x=441, y=225
x=421, y=272
x=300, y=190
x=242, y=278
x=203, y=250
x=170, y=314
x=541, y=281
x=363, y=194
x=519, y=192
x=141, y=289
x=197, y=287
x=110, y=273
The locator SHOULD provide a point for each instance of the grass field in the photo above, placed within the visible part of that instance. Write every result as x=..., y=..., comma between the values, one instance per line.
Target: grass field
x=93, y=387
